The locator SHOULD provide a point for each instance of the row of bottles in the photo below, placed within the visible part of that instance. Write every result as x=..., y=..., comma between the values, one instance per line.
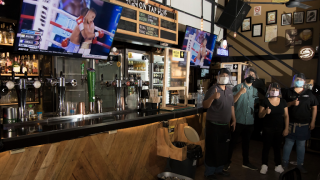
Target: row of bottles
x=136, y=66
x=15, y=63
x=159, y=90
x=6, y=34
x=158, y=68
x=135, y=75
x=157, y=78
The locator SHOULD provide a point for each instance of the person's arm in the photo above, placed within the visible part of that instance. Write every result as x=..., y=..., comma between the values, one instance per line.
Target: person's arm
x=87, y=32
x=293, y=103
x=262, y=112
x=237, y=95
x=233, y=118
x=314, y=115
x=207, y=103
x=286, y=122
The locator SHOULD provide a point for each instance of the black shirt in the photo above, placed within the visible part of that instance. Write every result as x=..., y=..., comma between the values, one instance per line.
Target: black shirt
x=302, y=112
x=275, y=119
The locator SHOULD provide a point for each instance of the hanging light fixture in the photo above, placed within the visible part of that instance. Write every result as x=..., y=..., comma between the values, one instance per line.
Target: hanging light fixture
x=146, y=2
x=201, y=27
x=235, y=34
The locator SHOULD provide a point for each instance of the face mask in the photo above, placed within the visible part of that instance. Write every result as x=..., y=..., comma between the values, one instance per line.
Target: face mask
x=224, y=80
x=274, y=93
x=249, y=79
x=298, y=83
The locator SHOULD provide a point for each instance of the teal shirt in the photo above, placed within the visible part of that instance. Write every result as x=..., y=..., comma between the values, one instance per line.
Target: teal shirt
x=244, y=107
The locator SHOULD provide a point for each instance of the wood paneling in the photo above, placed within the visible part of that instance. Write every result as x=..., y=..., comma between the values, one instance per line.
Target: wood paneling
x=129, y=154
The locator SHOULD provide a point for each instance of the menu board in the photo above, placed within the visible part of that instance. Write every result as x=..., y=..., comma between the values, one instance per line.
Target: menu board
x=146, y=18
x=129, y=13
x=128, y=26
x=168, y=25
x=150, y=31
x=168, y=35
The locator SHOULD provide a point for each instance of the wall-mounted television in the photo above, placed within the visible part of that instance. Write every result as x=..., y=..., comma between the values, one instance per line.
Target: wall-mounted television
x=83, y=29
x=201, y=45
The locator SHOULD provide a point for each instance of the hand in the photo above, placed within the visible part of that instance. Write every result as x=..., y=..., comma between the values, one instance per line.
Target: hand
x=312, y=126
x=65, y=42
x=296, y=102
x=268, y=110
x=285, y=132
x=233, y=124
x=216, y=95
x=243, y=90
x=99, y=34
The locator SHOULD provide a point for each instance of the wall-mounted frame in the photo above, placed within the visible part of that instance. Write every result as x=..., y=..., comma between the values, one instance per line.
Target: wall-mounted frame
x=246, y=25
x=271, y=17
x=286, y=19
x=271, y=34
x=153, y=21
x=257, y=30
x=312, y=16
x=298, y=17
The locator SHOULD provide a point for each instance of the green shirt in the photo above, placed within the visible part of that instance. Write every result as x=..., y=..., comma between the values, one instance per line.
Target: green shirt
x=244, y=107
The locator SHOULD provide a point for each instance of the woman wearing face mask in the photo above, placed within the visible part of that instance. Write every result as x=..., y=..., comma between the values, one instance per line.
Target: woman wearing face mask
x=301, y=104
x=219, y=102
x=274, y=112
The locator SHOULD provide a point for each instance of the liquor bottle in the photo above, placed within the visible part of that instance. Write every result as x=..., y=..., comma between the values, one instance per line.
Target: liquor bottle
x=3, y=63
x=29, y=65
x=16, y=65
x=11, y=35
x=34, y=65
x=4, y=34
x=8, y=64
x=1, y=37
x=23, y=64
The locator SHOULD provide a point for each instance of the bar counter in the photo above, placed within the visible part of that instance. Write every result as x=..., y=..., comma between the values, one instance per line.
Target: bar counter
x=86, y=147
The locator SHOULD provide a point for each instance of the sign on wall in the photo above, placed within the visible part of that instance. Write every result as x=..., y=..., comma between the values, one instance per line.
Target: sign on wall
x=257, y=11
x=177, y=55
x=306, y=53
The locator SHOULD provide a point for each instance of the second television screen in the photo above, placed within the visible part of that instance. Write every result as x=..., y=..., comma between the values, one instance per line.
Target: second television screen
x=79, y=28
x=201, y=45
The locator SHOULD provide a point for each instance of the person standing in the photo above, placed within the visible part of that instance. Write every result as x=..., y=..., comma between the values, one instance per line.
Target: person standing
x=219, y=102
x=245, y=97
x=274, y=112
x=301, y=104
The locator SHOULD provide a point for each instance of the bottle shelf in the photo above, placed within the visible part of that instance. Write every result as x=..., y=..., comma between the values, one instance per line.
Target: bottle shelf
x=3, y=44
x=18, y=75
x=9, y=104
x=158, y=84
x=134, y=71
x=177, y=77
x=158, y=72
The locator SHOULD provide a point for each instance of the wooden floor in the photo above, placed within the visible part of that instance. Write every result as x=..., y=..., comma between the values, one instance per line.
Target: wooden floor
x=312, y=164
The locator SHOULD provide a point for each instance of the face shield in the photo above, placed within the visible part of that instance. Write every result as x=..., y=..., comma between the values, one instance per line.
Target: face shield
x=224, y=77
x=250, y=75
x=274, y=90
x=298, y=80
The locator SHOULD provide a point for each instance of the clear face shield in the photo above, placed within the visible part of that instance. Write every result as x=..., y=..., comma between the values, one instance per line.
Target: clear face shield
x=224, y=77
x=250, y=75
x=274, y=90
x=298, y=80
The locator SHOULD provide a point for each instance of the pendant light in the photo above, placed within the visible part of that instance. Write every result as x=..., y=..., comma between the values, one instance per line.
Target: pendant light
x=201, y=25
x=235, y=34
x=146, y=2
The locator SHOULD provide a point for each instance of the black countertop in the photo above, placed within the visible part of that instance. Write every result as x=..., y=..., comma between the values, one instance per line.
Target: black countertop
x=20, y=135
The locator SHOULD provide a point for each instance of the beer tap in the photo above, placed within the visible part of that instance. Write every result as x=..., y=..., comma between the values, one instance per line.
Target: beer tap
x=21, y=86
x=139, y=84
x=61, y=82
x=118, y=84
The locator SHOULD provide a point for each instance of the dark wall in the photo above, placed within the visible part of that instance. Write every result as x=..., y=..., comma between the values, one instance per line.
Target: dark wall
x=10, y=10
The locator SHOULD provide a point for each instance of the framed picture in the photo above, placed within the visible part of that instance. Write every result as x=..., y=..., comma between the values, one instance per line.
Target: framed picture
x=312, y=16
x=286, y=19
x=298, y=17
x=299, y=37
x=246, y=25
x=257, y=30
x=272, y=17
x=271, y=33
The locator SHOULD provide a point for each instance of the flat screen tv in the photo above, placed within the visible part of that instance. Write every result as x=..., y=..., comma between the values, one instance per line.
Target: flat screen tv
x=77, y=28
x=201, y=45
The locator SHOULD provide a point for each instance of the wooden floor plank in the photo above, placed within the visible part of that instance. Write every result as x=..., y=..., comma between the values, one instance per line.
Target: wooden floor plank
x=12, y=163
x=72, y=158
x=38, y=162
x=83, y=170
x=59, y=160
x=47, y=161
x=24, y=165
x=4, y=158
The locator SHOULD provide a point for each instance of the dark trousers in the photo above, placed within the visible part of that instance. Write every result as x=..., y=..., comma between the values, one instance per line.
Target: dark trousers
x=272, y=137
x=245, y=131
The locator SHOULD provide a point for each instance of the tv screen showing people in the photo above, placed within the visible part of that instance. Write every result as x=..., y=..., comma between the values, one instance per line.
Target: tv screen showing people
x=79, y=28
x=201, y=45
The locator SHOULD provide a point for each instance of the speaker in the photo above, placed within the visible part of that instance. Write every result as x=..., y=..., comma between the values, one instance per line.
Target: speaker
x=233, y=15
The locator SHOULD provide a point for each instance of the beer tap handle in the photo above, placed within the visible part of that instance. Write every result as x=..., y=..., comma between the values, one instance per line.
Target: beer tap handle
x=26, y=74
x=13, y=75
x=61, y=74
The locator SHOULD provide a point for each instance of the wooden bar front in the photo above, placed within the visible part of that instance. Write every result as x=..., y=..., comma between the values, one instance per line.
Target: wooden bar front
x=131, y=153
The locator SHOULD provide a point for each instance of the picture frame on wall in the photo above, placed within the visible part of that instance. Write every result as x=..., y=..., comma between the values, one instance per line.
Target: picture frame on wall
x=271, y=17
x=298, y=17
x=312, y=16
x=271, y=34
x=257, y=30
x=286, y=19
x=246, y=25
